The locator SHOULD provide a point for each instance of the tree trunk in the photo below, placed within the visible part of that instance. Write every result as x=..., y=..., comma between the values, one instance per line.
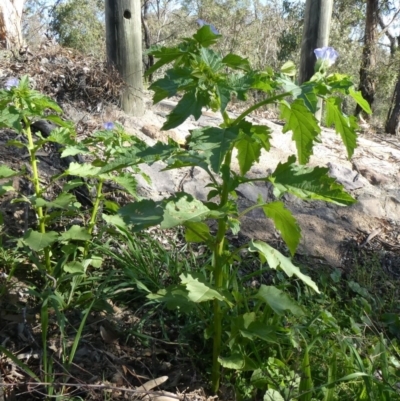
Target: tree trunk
x=10, y=23
x=368, y=61
x=124, y=50
x=317, y=21
x=147, y=37
x=392, y=125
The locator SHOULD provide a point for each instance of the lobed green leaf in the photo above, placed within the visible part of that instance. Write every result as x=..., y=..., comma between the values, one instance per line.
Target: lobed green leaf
x=197, y=232
x=345, y=126
x=191, y=104
x=238, y=361
x=10, y=117
x=7, y=172
x=82, y=170
x=275, y=259
x=198, y=289
x=63, y=136
x=38, y=241
x=74, y=267
x=279, y=301
x=237, y=62
x=308, y=183
x=165, y=55
x=289, y=68
x=142, y=214
x=205, y=36
x=173, y=81
x=76, y=233
x=212, y=59
x=75, y=150
x=301, y=121
x=214, y=143
x=286, y=224
x=251, y=140
x=6, y=187
x=127, y=181
x=63, y=201
x=174, y=297
x=184, y=208
x=358, y=97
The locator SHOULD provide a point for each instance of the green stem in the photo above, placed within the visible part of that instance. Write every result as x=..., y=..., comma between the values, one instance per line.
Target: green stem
x=218, y=264
x=258, y=105
x=218, y=274
x=250, y=208
x=226, y=118
x=38, y=190
x=95, y=210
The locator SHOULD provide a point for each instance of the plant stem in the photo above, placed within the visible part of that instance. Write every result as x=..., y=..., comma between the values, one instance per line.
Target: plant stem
x=95, y=210
x=218, y=263
x=258, y=105
x=38, y=190
x=250, y=208
x=218, y=274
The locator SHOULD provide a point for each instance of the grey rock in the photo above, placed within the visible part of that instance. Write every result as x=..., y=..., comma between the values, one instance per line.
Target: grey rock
x=348, y=178
x=324, y=225
x=252, y=192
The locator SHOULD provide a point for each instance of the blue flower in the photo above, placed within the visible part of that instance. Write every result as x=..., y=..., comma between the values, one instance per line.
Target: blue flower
x=11, y=83
x=327, y=55
x=109, y=125
x=201, y=22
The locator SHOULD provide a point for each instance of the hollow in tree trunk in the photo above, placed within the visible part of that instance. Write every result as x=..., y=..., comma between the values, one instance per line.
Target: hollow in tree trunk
x=124, y=50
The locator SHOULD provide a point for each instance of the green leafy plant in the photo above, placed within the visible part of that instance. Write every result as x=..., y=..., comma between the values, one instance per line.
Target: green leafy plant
x=109, y=151
x=63, y=257
x=206, y=79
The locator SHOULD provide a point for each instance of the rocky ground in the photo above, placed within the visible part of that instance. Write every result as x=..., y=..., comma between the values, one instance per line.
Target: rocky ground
x=372, y=177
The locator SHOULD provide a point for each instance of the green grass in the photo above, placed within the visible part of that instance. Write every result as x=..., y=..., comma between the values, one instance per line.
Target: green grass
x=350, y=330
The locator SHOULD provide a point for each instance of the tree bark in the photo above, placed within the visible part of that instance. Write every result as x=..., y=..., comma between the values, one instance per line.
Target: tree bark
x=317, y=21
x=124, y=50
x=10, y=23
x=147, y=37
x=392, y=125
x=368, y=61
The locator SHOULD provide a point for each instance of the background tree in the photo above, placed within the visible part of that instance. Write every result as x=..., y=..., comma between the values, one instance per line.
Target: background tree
x=317, y=21
x=368, y=60
x=392, y=123
x=11, y=23
x=315, y=34
x=124, y=50
x=35, y=25
x=80, y=25
x=149, y=62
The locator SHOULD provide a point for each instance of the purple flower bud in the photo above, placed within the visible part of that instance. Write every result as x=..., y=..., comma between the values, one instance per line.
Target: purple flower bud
x=328, y=55
x=11, y=83
x=201, y=22
x=109, y=125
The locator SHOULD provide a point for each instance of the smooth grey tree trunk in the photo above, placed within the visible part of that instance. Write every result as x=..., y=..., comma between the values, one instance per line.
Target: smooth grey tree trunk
x=316, y=29
x=124, y=50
